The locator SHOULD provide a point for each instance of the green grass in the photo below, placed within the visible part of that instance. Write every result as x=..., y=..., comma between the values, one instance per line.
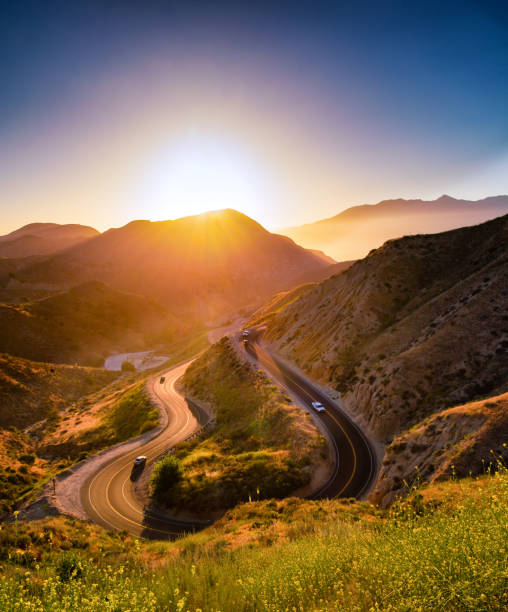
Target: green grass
x=130, y=416
x=261, y=446
x=445, y=550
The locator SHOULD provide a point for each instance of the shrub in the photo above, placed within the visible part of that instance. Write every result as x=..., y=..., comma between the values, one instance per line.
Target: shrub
x=69, y=567
x=29, y=458
x=127, y=366
x=165, y=475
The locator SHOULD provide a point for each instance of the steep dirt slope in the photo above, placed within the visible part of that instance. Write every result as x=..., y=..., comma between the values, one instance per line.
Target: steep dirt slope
x=204, y=265
x=355, y=231
x=43, y=239
x=84, y=325
x=460, y=441
x=419, y=325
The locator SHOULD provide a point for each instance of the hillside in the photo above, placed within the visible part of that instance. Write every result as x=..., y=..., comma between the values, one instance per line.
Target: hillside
x=418, y=326
x=460, y=441
x=355, y=231
x=34, y=395
x=206, y=265
x=11, y=290
x=43, y=239
x=84, y=325
x=30, y=390
x=443, y=549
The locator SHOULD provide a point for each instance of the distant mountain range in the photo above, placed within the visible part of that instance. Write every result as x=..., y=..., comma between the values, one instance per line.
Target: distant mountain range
x=204, y=266
x=355, y=231
x=43, y=239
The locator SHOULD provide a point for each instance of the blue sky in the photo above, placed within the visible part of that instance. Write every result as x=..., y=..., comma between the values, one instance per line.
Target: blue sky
x=316, y=106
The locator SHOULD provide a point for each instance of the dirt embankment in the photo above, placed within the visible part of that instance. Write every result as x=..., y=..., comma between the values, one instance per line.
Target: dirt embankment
x=461, y=441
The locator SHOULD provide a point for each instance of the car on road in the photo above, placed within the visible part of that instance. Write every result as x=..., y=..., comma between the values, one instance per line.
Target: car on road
x=163, y=378
x=139, y=461
x=318, y=406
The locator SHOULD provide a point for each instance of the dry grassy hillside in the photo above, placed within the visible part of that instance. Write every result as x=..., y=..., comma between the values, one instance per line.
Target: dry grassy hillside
x=84, y=325
x=417, y=326
x=460, y=441
x=207, y=265
x=278, y=303
x=29, y=390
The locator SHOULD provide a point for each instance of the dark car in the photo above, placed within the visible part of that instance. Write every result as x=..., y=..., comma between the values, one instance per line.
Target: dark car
x=139, y=461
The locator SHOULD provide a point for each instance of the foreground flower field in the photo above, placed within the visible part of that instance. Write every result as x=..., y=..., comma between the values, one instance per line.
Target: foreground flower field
x=445, y=548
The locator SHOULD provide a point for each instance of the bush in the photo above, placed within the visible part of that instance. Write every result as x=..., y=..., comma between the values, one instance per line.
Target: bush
x=127, y=366
x=29, y=458
x=165, y=475
x=69, y=567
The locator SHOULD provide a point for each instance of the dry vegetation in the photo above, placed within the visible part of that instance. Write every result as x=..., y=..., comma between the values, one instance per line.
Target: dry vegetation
x=34, y=399
x=460, y=441
x=30, y=391
x=278, y=303
x=57, y=415
x=394, y=333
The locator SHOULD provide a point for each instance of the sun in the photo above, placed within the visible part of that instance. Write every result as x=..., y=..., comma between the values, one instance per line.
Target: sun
x=196, y=173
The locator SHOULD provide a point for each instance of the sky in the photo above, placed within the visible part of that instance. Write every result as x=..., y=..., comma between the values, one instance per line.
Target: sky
x=287, y=111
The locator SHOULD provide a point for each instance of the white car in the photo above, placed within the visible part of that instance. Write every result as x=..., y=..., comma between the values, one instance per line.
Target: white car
x=141, y=460
x=318, y=406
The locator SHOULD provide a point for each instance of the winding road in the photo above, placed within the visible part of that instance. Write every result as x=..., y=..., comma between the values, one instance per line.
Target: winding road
x=355, y=459
x=108, y=495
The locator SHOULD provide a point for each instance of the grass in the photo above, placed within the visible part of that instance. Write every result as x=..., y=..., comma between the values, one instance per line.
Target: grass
x=278, y=303
x=129, y=416
x=261, y=446
x=132, y=415
x=29, y=389
x=444, y=548
x=63, y=396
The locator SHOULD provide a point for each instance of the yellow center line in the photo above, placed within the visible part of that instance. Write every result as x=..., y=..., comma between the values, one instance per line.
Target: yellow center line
x=108, y=500
x=333, y=419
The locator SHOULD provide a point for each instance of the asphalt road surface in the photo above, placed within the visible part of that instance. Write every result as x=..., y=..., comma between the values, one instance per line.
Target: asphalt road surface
x=108, y=496
x=355, y=459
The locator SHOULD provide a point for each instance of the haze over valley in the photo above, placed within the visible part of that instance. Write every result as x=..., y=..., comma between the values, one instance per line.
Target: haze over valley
x=354, y=232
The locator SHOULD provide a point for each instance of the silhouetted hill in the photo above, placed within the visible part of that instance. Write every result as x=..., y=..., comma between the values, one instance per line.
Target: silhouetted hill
x=355, y=231
x=204, y=265
x=43, y=239
x=84, y=325
x=419, y=325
